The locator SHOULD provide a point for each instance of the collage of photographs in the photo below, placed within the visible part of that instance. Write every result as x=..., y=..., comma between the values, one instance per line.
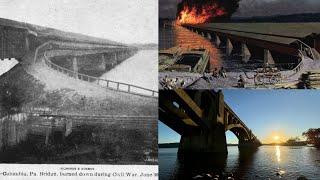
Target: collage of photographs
x=160, y=89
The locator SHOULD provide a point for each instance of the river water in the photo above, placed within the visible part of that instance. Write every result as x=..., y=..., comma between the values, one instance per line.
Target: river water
x=267, y=162
x=173, y=36
x=140, y=70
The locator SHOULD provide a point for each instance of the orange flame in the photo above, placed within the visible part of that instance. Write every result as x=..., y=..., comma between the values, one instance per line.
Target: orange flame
x=193, y=16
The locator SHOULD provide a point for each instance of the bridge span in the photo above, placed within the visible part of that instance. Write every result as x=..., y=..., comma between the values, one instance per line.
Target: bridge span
x=202, y=117
x=270, y=42
x=79, y=56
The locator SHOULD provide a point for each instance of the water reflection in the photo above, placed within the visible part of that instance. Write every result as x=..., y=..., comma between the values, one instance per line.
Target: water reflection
x=142, y=66
x=278, y=153
x=295, y=162
x=171, y=36
x=215, y=166
x=187, y=39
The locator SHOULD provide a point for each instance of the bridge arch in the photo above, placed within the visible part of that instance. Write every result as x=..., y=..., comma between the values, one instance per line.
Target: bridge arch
x=240, y=132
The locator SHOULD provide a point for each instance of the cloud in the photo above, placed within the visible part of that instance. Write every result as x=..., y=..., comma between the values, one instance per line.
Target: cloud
x=167, y=8
x=127, y=21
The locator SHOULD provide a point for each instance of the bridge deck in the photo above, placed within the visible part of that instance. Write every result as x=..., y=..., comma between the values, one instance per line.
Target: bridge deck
x=283, y=33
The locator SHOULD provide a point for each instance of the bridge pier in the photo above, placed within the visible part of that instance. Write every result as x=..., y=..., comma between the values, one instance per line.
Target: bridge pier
x=209, y=36
x=116, y=56
x=27, y=47
x=229, y=47
x=245, y=53
x=217, y=40
x=3, y=43
x=109, y=61
x=102, y=64
x=75, y=66
x=48, y=133
x=268, y=57
x=67, y=127
x=201, y=144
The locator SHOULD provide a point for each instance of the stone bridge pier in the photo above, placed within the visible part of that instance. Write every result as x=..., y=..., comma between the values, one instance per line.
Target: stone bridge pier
x=249, y=49
x=94, y=64
x=203, y=143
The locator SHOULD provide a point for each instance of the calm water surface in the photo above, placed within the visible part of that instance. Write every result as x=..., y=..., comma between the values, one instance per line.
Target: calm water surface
x=140, y=69
x=267, y=162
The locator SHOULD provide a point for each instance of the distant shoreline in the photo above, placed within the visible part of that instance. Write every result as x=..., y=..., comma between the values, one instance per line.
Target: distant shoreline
x=176, y=145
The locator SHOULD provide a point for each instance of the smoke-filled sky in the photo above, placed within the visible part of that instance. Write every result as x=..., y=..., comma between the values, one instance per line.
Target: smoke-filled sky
x=249, y=8
x=126, y=21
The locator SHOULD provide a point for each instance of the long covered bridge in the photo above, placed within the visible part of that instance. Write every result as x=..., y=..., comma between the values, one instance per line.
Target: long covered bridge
x=271, y=42
x=202, y=118
x=18, y=39
x=79, y=56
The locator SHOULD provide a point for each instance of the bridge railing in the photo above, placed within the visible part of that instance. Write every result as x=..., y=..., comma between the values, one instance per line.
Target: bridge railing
x=304, y=46
x=114, y=85
x=296, y=70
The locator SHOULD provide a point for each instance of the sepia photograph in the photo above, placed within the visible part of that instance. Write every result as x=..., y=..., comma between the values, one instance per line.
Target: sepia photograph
x=159, y=89
x=78, y=82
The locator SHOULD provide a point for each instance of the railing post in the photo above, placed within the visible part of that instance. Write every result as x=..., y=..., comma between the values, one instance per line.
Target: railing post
x=89, y=78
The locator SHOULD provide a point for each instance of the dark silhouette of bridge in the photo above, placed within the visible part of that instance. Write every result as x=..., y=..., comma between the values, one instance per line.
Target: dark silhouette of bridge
x=202, y=117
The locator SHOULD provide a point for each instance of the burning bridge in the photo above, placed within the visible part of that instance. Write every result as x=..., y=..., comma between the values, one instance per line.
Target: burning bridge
x=202, y=118
x=271, y=42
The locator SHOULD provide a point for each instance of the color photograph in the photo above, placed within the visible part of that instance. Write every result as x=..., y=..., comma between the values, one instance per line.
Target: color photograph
x=239, y=134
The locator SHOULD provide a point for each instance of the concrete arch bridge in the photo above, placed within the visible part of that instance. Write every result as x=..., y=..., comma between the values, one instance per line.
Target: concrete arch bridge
x=202, y=118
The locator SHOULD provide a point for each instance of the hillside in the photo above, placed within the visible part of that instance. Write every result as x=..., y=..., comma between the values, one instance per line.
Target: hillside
x=45, y=33
x=306, y=17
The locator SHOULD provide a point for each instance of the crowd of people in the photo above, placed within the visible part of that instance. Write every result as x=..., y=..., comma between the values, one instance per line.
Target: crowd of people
x=171, y=83
x=222, y=73
x=176, y=82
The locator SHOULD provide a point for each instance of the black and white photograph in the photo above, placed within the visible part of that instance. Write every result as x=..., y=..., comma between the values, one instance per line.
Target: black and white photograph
x=78, y=82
